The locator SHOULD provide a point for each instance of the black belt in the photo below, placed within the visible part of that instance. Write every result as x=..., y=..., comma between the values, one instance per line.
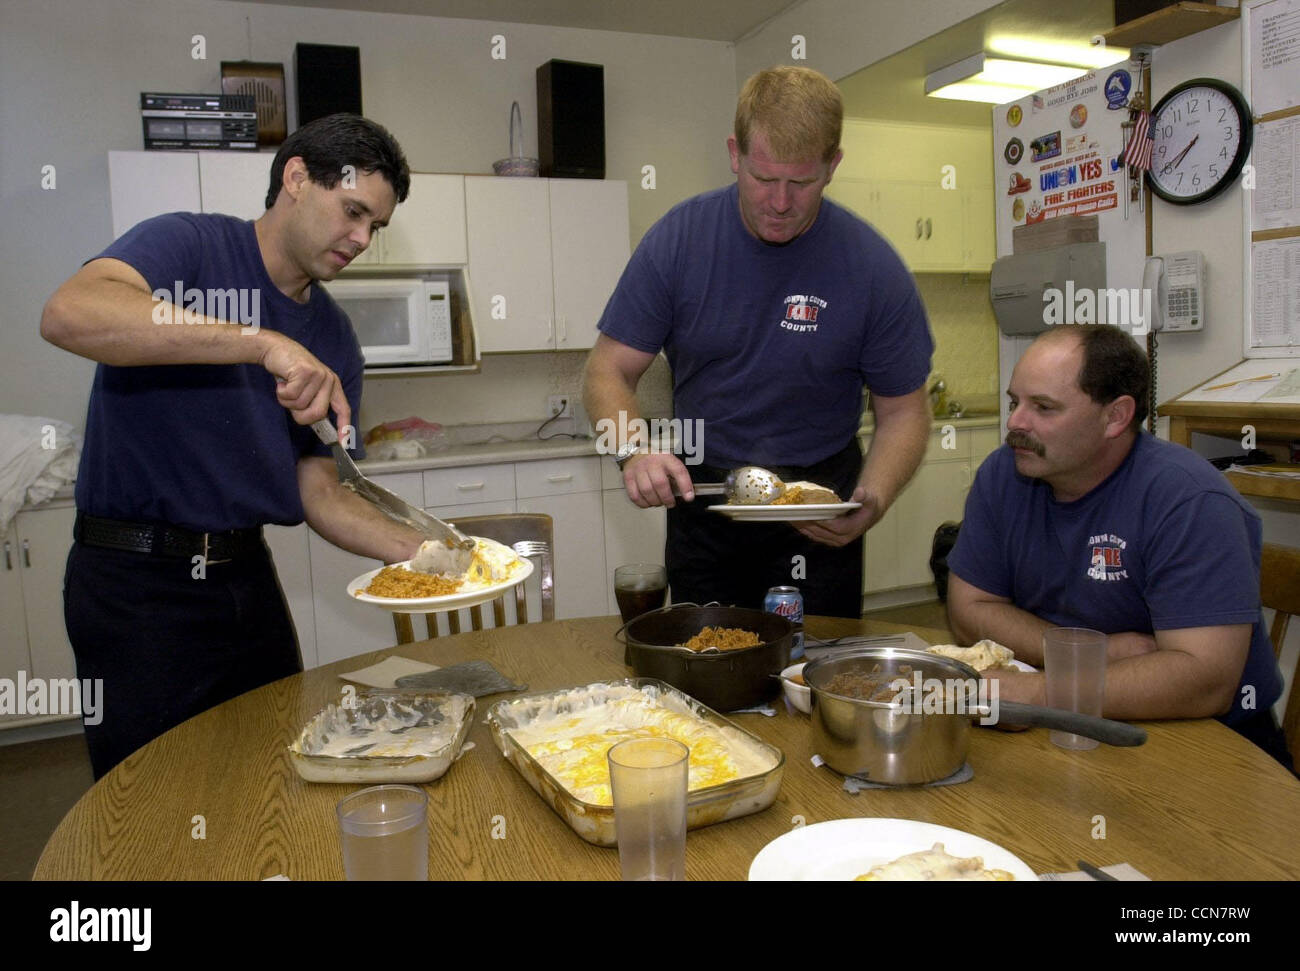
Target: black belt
x=163, y=540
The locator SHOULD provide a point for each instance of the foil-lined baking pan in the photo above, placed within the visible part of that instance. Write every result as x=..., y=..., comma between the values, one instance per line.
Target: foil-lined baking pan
x=384, y=737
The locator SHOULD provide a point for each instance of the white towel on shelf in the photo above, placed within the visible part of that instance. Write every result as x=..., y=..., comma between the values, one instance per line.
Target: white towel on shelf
x=38, y=457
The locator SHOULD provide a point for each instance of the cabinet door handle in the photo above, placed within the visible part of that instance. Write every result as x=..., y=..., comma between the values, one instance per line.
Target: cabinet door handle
x=27, y=554
x=918, y=229
x=965, y=478
x=550, y=329
x=9, y=560
x=469, y=486
x=927, y=227
x=556, y=477
x=564, y=329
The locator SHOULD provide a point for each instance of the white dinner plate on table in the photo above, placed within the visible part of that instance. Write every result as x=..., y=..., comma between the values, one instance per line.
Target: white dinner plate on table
x=450, y=601
x=786, y=514
x=843, y=849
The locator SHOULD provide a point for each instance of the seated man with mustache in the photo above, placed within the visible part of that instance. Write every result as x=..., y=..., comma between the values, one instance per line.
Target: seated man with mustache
x=1085, y=520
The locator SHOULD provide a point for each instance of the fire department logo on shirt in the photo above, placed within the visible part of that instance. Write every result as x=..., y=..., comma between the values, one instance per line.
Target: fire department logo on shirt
x=801, y=312
x=1106, y=557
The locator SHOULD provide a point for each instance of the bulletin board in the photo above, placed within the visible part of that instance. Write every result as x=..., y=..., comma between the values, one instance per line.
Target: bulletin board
x=1270, y=59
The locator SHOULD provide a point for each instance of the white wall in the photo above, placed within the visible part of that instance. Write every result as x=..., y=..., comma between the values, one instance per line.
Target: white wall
x=843, y=36
x=1214, y=228
x=71, y=73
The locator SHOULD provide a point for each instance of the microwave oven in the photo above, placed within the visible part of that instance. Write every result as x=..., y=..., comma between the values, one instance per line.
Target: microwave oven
x=399, y=321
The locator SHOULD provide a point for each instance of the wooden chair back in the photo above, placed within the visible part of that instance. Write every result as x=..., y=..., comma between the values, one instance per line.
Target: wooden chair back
x=1279, y=590
x=507, y=529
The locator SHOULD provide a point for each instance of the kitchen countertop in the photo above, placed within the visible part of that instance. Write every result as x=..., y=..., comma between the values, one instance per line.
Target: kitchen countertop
x=532, y=450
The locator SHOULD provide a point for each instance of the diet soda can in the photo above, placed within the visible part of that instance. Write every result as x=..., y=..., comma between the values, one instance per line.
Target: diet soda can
x=788, y=602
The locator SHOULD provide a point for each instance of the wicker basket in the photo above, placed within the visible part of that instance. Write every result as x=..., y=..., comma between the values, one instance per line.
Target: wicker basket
x=516, y=164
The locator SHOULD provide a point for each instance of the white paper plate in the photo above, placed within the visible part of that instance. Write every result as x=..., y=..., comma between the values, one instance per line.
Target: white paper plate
x=451, y=601
x=785, y=514
x=843, y=849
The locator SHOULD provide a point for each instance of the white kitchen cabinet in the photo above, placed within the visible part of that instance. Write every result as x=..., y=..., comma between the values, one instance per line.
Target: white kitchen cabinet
x=235, y=183
x=897, y=552
x=146, y=184
x=428, y=229
x=545, y=255
x=579, y=551
x=291, y=552
x=510, y=258
x=589, y=249
x=926, y=189
x=33, y=637
x=632, y=535
x=568, y=490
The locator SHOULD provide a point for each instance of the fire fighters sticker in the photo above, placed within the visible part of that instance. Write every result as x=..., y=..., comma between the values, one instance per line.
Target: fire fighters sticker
x=1019, y=184
x=1018, y=210
x=1118, y=86
x=1014, y=114
x=1045, y=146
x=1014, y=151
x=1078, y=115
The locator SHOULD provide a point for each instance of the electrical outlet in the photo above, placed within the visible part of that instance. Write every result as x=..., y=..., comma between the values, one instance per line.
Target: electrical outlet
x=559, y=405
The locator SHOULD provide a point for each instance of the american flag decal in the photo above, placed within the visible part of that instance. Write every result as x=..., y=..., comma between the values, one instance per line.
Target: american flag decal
x=1138, y=152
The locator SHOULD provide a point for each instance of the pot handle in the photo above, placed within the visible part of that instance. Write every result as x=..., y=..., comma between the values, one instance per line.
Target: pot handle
x=1102, y=729
x=662, y=610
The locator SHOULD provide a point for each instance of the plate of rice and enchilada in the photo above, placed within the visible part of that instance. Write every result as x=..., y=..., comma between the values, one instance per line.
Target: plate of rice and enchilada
x=435, y=579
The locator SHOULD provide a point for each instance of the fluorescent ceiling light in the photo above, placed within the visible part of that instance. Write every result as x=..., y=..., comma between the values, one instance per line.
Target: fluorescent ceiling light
x=1082, y=55
x=996, y=80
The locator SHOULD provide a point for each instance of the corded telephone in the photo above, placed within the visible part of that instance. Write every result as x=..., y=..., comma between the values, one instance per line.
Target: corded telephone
x=1176, y=283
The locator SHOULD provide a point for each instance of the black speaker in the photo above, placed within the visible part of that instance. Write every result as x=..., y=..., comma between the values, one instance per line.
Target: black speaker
x=571, y=120
x=328, y=80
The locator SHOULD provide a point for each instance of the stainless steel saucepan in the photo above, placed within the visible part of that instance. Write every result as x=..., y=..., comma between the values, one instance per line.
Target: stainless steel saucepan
x=925, y=739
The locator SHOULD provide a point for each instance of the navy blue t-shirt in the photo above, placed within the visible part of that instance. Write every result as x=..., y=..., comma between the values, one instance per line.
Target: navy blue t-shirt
x=207, y=446
x=771, y=345
x=1164, y=543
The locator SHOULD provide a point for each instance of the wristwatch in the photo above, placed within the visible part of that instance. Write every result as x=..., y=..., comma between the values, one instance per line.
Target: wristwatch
x=625, y=452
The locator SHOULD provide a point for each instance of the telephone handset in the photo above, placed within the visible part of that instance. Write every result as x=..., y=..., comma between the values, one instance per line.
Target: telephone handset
x=1176, y=284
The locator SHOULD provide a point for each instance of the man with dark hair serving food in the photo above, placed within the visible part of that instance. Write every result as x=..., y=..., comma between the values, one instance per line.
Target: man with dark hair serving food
x=197, y=433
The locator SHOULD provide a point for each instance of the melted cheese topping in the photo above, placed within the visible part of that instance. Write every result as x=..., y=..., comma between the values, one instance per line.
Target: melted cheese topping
x=934, y=864
x=574, y=747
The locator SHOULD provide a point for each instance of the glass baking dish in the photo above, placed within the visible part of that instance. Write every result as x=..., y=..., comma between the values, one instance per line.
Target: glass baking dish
x=751, y=793
x=419, y=736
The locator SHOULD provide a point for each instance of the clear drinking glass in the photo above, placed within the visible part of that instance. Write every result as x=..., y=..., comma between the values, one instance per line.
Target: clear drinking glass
x=385, y=833
x=1075, y=661
x=648, y=777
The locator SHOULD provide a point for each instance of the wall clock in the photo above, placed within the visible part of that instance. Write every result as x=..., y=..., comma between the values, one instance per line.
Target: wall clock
x=1202, y=134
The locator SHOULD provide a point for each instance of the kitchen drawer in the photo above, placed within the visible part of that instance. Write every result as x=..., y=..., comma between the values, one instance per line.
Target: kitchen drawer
x=611, y=476
x=407, y=485
x=469, y=483
x=553, y=477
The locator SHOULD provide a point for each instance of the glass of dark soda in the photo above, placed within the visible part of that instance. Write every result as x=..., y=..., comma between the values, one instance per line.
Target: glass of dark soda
x=639, y=587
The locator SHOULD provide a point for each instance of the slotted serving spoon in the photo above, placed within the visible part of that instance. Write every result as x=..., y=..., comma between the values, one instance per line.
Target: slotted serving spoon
x=749, y=485
x=389, y=504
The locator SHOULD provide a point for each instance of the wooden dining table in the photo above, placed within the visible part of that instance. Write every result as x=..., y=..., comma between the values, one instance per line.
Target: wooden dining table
x=216, y=798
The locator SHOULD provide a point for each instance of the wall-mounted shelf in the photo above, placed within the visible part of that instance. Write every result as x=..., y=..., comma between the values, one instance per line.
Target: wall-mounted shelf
x=1170, y=24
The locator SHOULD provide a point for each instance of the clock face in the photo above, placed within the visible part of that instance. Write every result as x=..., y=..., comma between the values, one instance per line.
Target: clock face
x=1202, y=132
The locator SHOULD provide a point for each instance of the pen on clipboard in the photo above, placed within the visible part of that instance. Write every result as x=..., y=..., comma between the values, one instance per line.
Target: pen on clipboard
x=1233, y=384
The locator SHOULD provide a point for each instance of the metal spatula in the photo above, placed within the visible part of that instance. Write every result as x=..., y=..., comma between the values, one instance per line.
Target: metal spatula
x=392, y=506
